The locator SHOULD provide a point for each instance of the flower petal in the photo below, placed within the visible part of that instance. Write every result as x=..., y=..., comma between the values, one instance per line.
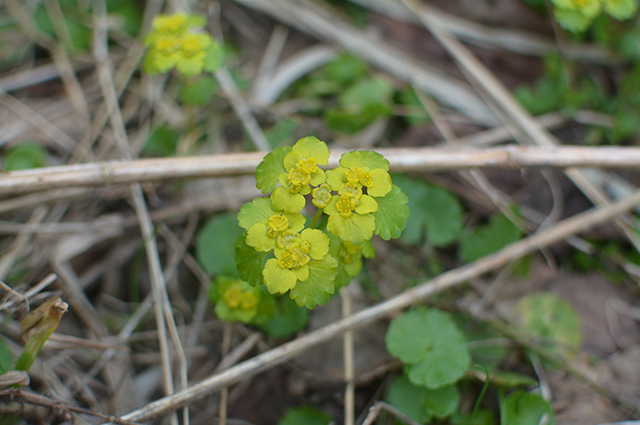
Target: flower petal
x=311, y=147
x=296, y=222
x=331, y=209
x=277, y=279
x=381, y=183
x=302, y=273
x=256, y=211
x=362, y=159
x=355, y=229
x=335, y=178
x=319, y=242
x=367, y=205
x=318, y=178
x=257, y=237
x=291, y=159
x=284, y=200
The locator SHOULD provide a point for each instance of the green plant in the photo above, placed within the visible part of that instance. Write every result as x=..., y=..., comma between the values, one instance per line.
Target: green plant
x=174, y=43
x=578, y=15
x=433, y=349
x=25, y=156
x=305, y=415
x=357, y=199
x=552, y=319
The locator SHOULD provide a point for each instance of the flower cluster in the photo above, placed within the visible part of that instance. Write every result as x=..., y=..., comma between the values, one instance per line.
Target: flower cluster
x=577, y=15
x=174, y=42
x=358, y=199
x=237, y=301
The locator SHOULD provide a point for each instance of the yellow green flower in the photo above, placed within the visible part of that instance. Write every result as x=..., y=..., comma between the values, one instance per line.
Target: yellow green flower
x=265, y=225
x=620, y=9
x=293, y=257
x=350, y=218
x=302, y=172
x=588, y=8
x=321, y=195
x=172, y=44
x=236, y=300
x=361, y=170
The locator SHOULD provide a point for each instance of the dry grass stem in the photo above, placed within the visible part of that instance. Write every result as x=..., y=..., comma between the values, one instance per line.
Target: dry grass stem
x=401, y=160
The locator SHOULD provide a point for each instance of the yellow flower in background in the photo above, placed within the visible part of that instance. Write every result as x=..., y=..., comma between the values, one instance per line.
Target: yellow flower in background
x=175, y=43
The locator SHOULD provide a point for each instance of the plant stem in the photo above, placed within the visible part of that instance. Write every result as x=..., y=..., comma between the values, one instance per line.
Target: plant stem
x=316, y=218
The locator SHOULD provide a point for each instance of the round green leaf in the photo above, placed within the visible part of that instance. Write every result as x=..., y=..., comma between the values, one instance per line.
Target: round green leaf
x=249, y=262
x=319, y=285
x=443, y=401
x=550, y=317
x=287, y=319
x=199, y=93
x=523, y=408
x=270, y=168
x=215, y=245
x=25, y=156
x=431, y=344
x=392, y=214
x=409, y=399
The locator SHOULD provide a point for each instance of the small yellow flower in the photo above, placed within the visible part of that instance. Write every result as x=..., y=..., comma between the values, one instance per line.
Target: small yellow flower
x=292, y=260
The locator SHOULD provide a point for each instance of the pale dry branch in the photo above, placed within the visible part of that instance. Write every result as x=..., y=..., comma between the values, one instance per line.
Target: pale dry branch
x=401, y=160
x=447, y=280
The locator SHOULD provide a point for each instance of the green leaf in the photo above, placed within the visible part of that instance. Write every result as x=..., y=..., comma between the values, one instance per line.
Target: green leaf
x=409, y=399
x=549, y=317
x=305, y=415
x=346, y=69
x=432, y=346
x=161, y=142
x=287, y=320
x=369, y=159
x=130, y=14
x=442, y=402
x=360, y=105
x=419, y=403
x=254, y=212
x=434, y=208
x=25, y=156
x=270, y=168
x=523, y=408
x=392, y=214
x=485, y=240
x=249, y=262
x=572, y=20
x=214, y=57
x=215, y=245
x=319, y=285
x=546, y=97
x=620, y=9
x=81, y=35
x=366, y=92
x=199, y=93
x=281, y=132
x=481, y=417
x=6, y=356
x=415, y=112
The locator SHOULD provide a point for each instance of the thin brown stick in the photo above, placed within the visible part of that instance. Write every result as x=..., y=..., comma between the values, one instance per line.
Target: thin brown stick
x=40, y=400
x=447, y=280
x=401, y=160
